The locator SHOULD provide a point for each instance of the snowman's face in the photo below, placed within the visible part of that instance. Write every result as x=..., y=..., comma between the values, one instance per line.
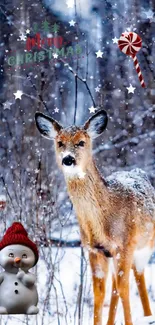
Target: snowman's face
x=14, y=257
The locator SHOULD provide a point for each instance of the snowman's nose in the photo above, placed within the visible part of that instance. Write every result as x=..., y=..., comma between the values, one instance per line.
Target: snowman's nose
x=17, y=259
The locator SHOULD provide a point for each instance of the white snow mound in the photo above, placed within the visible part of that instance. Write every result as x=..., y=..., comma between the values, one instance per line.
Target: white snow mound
x=145, y=321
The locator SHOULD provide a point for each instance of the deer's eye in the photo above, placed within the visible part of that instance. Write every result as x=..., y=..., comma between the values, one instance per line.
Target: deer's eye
x=81, y=144
x=60, y=144
x=11, y=255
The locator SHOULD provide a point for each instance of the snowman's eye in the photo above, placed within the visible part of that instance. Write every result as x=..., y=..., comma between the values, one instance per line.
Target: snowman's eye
x=11, y=255
x=24, y=256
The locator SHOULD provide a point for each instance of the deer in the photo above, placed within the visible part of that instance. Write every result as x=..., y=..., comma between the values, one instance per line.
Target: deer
x=116, y=215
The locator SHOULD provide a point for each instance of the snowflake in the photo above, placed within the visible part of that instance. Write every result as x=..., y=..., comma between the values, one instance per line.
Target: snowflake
x=120, y=273
x=9, y=19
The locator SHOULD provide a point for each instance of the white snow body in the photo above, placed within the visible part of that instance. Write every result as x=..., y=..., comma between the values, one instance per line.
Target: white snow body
x=15, y=296
x=137, y=182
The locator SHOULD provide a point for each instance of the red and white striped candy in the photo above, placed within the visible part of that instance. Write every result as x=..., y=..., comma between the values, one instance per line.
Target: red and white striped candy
x=130, y=43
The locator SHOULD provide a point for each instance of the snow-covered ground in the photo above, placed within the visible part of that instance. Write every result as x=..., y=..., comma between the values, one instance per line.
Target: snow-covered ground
x=58, y=304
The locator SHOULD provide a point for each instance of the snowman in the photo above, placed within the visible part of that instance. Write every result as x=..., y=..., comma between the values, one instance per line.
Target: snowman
x=18, y=294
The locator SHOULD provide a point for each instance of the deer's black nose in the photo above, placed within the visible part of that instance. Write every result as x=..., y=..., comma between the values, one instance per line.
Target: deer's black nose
x=68, y=160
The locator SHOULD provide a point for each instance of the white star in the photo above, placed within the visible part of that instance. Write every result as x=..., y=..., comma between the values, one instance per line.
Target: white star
x=55, y=55
x=131, y=89
x=56, y=110
x=99, y=54
x=149, y=14
x=22, y=37
x=72, y=22
x=97, y=89
x=152, y=20
x=7, y=105
x=92, y=109
x=126, y=33
x=70, y=3
x=18, y=94
x=27, y=31
x=115, y=40
x=131, y=28
x=81, y=174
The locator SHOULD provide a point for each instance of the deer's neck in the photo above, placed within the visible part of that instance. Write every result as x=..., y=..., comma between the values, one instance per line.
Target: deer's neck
x=88, y=192
x=91, y=174
x=91, y=202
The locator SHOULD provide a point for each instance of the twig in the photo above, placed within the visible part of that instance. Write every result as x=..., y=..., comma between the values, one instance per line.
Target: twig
x=76, y=94
x=79, y=78
x=3, y=181
x=87, y=60
x=39, y=95
x=80, y=288
x=57, y=305
x=64, y=298
x=77, y=66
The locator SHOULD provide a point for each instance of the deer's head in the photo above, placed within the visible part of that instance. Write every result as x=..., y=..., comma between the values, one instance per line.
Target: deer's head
x=73, y=145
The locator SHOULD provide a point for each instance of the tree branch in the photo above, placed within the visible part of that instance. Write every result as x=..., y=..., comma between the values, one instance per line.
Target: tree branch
x=59, y=242
x=79, y=78
x=112, y=145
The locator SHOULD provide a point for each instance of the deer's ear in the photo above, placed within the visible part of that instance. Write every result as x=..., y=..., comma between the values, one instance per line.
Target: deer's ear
x=47, y=126
x=96, y=124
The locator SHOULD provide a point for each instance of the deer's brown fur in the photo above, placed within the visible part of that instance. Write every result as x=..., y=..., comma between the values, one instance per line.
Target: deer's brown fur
x=115, y=220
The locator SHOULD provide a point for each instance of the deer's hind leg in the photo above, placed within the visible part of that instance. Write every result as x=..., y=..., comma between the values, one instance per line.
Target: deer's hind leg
x=141, y=258
x=99, y=267
x=140, y=280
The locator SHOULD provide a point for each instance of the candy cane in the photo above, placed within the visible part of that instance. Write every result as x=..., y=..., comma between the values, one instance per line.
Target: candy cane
x=130, y=43
x=138, y=71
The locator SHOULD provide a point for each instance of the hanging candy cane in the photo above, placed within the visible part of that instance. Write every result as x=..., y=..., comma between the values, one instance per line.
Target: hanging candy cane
x=130, y=43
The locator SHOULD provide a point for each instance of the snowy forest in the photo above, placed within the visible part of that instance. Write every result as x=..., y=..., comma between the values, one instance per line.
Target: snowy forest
x=62, y=58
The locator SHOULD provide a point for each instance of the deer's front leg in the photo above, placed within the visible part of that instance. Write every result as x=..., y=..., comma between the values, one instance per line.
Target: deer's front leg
x=99, y=267
x=123, y=268
x=113, y=302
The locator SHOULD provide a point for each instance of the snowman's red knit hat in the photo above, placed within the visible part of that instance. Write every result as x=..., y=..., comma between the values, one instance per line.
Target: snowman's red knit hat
x=16, y=234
